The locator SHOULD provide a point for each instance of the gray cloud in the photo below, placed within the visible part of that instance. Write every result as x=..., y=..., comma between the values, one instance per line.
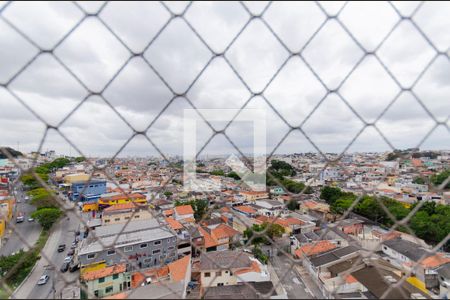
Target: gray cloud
x=137, y=93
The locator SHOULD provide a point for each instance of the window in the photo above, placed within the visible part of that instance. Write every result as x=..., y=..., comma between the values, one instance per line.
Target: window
x=126, y=218
x=156, y=251
x=226, y=272
x=147, y=260
x=384, y=248
x=144, y=245
x=171, y=248
x=207, y=274
x=220, y=284
x=111, y=252
x=96, y=293
x=109, y=289
x=115, y=276
x=136, y=217
x=157, y=243
x=91, y=186
x=117, y=219
x=106, y=220
x=101, y=280
x=219, y=273
x=91, y=256
x=128, y=249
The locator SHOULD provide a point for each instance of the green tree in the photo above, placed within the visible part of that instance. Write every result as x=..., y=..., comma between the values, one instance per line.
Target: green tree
x=330, y=194
x=217, y=173
x=292, y=205
x=168, y=193
x=47, y=216
x=79, y=159
x=41, y=198
x=257, y=252
x=419, y=180
x=31, y=182
x=233, y=175
x=439, y=178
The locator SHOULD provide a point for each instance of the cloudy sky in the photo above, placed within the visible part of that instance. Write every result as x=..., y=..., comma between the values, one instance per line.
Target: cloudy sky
x=176, y=69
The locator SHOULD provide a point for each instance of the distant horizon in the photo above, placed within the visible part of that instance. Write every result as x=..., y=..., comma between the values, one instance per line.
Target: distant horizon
x=224, y=155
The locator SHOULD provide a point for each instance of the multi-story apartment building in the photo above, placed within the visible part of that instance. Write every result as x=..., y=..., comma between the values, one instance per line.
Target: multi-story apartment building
x=87, y=190
x=141, y=244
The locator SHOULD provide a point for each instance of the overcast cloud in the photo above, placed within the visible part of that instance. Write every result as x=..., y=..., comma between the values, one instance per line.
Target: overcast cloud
x=178, y=56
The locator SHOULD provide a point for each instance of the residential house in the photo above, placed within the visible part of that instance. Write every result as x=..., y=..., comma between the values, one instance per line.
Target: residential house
x=252, y=196
x=183, y=212
x=106, y=282
x=406, y=255
x=121, y=213
x=229, y=268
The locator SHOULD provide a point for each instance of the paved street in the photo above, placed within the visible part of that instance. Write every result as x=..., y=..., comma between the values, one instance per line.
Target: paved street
x=62, y=233
x=29, y=230
x=290, y=279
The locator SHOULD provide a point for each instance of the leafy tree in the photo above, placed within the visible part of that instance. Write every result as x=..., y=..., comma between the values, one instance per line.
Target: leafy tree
x=438, y=179
x=168, y=193
x=41, y=198
x=47, y=216
x=233, y=175
x=31, y=182
x=257, y=252
x=79, y=159
x=292, y=205
x=330, y=194
x=273, y=230
x=419, y=180
x=217, y=173
x=281, y=168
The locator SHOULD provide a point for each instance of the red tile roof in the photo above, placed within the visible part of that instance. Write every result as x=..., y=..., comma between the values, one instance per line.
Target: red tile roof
x=178, y=268
x=174, y=224
x=246, y=209
x=184, y=210
x=223, y=231
x=314, y=248
x=121, y=206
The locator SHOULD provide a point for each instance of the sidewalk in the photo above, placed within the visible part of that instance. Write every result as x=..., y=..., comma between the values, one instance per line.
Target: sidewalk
x=276, y=281
x=309, y=282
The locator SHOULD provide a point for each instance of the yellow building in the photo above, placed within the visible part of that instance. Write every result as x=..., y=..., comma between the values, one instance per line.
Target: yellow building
x=2, y=228
x=71, y=178
x=6, y=209
x=122, y=199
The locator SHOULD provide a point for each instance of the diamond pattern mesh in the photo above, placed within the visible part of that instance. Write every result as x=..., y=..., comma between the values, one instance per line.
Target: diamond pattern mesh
x=371, y=61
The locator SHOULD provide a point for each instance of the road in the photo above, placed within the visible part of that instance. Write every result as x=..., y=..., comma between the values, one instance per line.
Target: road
x=62, y=233
x=28, y=230
x=290, y=279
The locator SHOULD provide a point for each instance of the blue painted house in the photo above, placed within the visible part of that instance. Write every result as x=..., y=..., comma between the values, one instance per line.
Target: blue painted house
x=87, y=190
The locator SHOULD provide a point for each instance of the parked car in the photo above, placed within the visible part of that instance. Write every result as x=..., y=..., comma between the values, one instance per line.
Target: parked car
x=65, y=267
x=30, y=219
x=68, y=259
x=20, y=218
x=61, y=248
x=74, y=268
x=43, y=279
